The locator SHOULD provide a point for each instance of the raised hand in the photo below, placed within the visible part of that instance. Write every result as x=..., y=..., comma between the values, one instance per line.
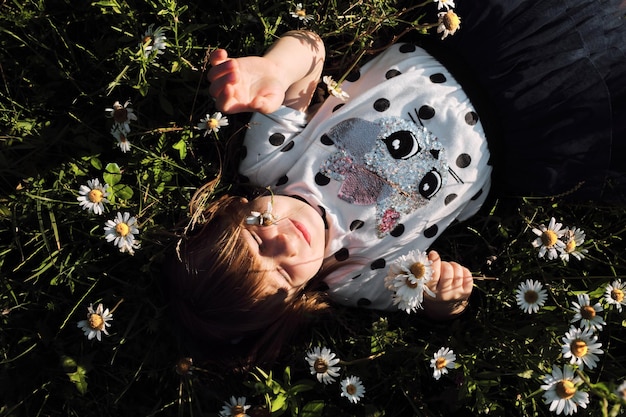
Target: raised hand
x=452, y=284
x=248, y=84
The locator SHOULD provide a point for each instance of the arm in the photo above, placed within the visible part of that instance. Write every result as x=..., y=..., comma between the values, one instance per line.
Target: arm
x=452, y=283
x=287, y=74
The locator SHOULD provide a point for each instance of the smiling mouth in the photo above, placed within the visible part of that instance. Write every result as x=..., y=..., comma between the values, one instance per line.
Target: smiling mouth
x=303, y=231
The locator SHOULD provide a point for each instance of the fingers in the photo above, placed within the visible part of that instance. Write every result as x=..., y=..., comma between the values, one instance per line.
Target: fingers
x=217, y=57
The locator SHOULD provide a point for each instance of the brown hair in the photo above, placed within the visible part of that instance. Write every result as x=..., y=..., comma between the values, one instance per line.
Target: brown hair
x=220, y=296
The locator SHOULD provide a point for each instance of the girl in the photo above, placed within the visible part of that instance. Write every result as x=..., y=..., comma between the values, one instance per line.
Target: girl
x=398, y=152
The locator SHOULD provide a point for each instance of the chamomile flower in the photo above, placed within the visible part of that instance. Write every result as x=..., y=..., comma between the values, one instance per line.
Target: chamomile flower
x=322, y=362
x=407, y=278
x=620, y=391
x=449, y=23
x=573, y=238
x=579, y=345
x=561, y=391
x=588, y=314
x=184, y=366
x=153, y=42
x=93, y=196
x=444, y=3
x=549, y=239
x=236, y=407
x=96, y=323
x=442, y=360
x=212, y=123
x=121, y=115
x=300, y=13
x=352, y=388
x=121, y=231
x=614, y=294
x=119, y=134
x=531, y=296
x=334, y=88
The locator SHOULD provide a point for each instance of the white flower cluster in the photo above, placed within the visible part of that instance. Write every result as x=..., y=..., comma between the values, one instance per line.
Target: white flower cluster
x=554, y=241
x=322, y=362
x=407, y=278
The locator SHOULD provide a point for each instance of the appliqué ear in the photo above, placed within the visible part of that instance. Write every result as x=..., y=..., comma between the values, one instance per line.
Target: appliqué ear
x=361, y=187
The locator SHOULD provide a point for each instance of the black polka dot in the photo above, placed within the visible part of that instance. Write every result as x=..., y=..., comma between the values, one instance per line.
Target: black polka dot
x=356, y=276
x=326, y=140
x=277, y=139
x=397, y=231
x=243, y=152
x=337, y=107
x=407, y=47
x=378, y=264
x=478, y=194
x=438, y=78
x=363, y=302
x=463, y=160
x=353, y=76
x=431, y=231
x=426, y=112
x=342, y=254
x=288, y=147
x=357, y=224
x=450, y=198
x=282, y=180
x=392, y=73
x=321, y=179
x=381, y=104
x=471, y=118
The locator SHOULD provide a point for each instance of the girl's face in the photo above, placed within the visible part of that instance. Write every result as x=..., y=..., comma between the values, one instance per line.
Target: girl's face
x=291, y=250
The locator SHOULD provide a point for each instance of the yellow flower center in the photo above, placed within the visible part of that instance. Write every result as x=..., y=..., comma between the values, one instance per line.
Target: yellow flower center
x=418, y=270
x=549, y=238
x=95, y=321
x=147, y=39
x=579, y=348
x=237, y=410
x=212, y=123
x=565, y=389
x=441, y=363
x=531, y=296
x=320, y=366
x=451, y=21
x=95, y=196
x=617, y=295
x=184, y=365
x=122, y=229
x=301, y=13
x=587, y=312
x=571, y=246
x=351, y=389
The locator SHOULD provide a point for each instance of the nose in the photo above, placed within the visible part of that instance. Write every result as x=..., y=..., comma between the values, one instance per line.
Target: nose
x=284, y=245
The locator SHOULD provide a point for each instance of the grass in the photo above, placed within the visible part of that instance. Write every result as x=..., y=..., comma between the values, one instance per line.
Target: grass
x=62, y=63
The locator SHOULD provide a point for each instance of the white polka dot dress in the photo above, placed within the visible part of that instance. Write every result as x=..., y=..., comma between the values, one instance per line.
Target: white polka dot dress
x=388, y=169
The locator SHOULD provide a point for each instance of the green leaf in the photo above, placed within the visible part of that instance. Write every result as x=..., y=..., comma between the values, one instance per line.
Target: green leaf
x=279, y=403
x=76, y=373
x=95, y=162
x=313, y=409
x=123, y=191
x=112, y=174
x=181, y=146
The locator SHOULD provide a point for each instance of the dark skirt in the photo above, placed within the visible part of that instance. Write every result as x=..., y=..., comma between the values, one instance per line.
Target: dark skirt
x=548, y=78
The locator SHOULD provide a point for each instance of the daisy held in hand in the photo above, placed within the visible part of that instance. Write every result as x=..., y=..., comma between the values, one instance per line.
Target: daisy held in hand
x=121, y=231
x=549, y=239
x=322, y=361
x=588, y=314
x=442, y=360
x=352, y=388
x=531, y=296
x=407, y=278
x=93, y=196
x=561, y=391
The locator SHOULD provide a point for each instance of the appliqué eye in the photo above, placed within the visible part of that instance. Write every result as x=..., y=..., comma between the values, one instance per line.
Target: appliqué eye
x=402, y=144
x=430, y=184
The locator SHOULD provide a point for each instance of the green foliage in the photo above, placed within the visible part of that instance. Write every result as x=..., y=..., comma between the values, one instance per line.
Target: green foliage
x=64, y=62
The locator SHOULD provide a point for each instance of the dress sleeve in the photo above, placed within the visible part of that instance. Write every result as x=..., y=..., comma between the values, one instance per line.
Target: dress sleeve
x=272, y=145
